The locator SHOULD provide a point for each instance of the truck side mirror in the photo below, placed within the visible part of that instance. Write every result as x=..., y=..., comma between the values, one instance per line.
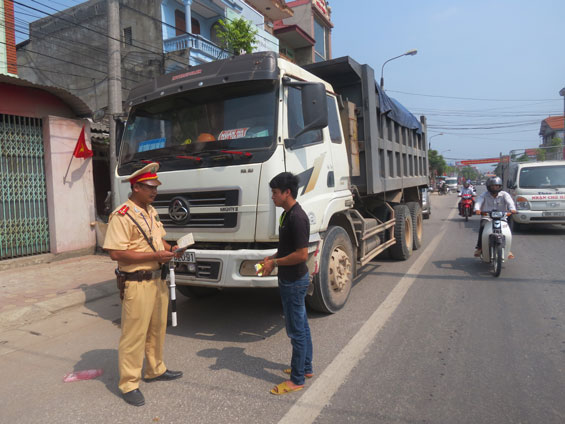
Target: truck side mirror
x=314, y=105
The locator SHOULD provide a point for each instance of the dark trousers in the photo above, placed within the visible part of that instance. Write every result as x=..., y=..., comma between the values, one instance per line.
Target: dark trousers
x=293, y=294
x=480, y=240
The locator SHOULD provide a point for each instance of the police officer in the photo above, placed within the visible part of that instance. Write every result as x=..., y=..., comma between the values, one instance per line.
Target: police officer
x=145, y=298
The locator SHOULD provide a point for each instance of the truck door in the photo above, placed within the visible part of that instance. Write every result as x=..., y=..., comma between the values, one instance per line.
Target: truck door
x=337, y=145
x=310, y=158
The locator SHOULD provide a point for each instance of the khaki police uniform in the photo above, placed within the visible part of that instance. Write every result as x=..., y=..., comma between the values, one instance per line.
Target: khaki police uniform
x=144, y=308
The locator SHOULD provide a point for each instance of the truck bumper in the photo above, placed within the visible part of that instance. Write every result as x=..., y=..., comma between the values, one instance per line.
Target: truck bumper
x=221, y=268
x=537, y=217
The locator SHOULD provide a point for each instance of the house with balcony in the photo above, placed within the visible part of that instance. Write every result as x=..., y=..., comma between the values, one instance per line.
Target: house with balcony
x=305, y=37
x=191, y=27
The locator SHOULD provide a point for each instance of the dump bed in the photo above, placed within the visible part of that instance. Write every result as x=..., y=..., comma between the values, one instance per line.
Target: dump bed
x=392, y=142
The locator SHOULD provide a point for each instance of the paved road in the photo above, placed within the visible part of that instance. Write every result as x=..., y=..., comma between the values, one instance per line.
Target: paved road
x=435, y=339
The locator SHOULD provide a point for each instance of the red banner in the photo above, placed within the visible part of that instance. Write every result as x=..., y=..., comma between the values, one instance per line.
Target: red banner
x=478, y=161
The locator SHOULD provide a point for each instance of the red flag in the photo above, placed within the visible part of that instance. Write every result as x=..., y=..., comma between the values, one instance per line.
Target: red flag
x=81, y=150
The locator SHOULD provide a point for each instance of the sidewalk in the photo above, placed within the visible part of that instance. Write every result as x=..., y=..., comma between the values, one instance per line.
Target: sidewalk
x=34, y=292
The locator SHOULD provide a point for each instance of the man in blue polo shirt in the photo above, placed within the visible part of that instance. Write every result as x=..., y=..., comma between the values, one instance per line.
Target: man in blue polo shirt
x=291, y=257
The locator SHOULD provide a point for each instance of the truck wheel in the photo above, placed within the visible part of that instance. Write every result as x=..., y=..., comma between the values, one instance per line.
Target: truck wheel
x=333, y=282
x=196, y=291
x=402, y=233
x=417, y=224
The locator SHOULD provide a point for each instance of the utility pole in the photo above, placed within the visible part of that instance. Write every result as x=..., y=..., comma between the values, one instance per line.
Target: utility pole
x=114, y=84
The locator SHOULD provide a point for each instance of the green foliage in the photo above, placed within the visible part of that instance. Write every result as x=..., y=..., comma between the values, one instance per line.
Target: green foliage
x=470, y=173
x=237, y=35
x=523, y=158
x=540, y=154
x=437, y=163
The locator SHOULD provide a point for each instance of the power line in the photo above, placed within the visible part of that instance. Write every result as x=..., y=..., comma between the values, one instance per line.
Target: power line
x=471, y=98
x=90, y=47
x=92, y=30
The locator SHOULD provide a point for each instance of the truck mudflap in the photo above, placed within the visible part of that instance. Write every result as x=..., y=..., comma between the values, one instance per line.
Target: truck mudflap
x=314, y=258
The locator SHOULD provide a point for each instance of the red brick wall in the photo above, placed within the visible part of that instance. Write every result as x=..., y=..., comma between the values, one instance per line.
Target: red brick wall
x=10, y=36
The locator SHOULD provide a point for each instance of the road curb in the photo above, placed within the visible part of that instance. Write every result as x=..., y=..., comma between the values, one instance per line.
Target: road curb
x=26, y=315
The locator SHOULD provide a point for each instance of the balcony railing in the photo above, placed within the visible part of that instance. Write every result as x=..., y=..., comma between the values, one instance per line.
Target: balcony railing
x=196, y=44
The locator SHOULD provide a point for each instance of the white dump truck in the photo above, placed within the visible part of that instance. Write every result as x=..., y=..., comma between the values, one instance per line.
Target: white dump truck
x=221, y=131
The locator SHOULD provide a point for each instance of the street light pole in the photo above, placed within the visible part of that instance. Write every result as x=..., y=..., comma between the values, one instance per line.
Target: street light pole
x=408, y=53
x=430, y=140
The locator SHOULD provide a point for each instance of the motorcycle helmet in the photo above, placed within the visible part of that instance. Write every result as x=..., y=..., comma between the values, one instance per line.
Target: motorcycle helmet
x=494, y=181
x=466, y=184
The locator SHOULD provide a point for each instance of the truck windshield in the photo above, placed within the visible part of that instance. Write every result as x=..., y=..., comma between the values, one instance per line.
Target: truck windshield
x=205, y=127
x=542, y=177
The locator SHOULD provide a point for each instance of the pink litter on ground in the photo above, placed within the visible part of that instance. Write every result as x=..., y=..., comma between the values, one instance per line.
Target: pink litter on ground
x=82, y=375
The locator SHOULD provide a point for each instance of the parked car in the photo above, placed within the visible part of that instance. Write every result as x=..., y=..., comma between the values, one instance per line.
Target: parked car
x=426, y=203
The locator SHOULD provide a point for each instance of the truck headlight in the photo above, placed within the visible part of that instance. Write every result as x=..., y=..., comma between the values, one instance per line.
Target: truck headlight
x=247, y=269
x=522, y=203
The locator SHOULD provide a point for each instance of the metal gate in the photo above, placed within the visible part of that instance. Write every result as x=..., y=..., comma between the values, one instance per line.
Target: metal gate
x=24, y=227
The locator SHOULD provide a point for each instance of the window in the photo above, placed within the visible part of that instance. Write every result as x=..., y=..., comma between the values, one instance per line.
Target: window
x=180, y=23
x=320, y=48
x=128, y=38
x=195, y=26
x=333, y=121
x=296, y=120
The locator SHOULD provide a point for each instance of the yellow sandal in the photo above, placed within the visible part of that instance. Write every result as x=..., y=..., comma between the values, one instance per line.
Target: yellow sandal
x=285, y=387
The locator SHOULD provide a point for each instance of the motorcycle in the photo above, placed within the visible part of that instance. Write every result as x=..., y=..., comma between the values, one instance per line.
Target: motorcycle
x=466, y=206
x=443, y=189
x=496, y=240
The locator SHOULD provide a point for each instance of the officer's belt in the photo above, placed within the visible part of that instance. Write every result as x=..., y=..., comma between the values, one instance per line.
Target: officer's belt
x=142, y=275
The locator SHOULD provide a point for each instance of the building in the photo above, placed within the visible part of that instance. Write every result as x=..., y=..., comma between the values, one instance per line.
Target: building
x=550, y=128
x=39, y=128
x=69, y=49
x=306, y=36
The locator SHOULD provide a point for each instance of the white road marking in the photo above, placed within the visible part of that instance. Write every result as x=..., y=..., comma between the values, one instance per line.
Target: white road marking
x=318, y=395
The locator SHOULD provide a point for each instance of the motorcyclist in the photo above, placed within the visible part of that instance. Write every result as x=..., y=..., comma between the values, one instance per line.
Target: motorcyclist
x=465, y=190
x=442, y=187
x=492, y=199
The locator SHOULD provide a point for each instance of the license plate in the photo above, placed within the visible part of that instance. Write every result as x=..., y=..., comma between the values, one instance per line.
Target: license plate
x=187, y=257
x=553, y=214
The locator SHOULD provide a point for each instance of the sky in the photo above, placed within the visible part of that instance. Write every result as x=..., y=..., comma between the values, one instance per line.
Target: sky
x=486, y=74
x=508, y=53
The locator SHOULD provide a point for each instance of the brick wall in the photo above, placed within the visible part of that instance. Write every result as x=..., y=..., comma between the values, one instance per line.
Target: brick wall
x=10, y=37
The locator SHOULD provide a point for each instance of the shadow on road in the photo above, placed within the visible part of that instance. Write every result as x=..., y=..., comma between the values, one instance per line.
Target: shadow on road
x=233, y=315
x=235, y=359
x=107, y=360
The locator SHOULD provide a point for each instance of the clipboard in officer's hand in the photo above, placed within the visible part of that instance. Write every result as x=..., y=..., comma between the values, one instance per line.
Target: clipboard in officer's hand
x=184, y=242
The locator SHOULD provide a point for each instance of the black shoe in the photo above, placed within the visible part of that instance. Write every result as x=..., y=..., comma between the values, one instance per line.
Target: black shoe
x=166, y=376
x=135, y=398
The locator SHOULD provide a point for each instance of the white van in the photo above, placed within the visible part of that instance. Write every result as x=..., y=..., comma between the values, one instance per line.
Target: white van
x=451, y=184
x=538, y=189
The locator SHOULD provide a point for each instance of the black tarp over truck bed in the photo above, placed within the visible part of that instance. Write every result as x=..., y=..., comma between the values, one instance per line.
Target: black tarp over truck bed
x=392, y=142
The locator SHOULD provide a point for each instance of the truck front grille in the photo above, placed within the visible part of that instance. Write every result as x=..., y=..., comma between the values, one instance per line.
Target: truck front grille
x=201, y=199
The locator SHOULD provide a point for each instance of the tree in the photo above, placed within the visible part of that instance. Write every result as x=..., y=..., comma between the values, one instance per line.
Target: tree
x=469, y=173
x=437, y=163
x=237, y=35
x=540, y=154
